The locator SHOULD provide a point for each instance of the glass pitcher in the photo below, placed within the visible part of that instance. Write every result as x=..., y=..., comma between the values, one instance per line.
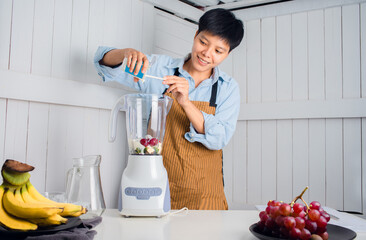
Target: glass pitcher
x=83, y=185
x=145, y=122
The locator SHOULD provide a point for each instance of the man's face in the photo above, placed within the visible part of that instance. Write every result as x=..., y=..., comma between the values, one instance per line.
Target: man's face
x=208, y=51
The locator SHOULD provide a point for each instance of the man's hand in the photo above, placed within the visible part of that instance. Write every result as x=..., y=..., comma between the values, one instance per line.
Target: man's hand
x=135, y=60
x=179, y=87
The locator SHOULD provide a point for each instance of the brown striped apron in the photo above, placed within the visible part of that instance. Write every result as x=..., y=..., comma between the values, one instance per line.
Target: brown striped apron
x=195, y=172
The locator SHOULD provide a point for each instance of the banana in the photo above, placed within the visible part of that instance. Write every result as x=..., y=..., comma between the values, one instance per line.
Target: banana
x=59, y=218
x=15, y=205
x=27, y=198
x=13, y=222
x=77, y=214
x=17, y=195
x=69, y=209
x=52, y=220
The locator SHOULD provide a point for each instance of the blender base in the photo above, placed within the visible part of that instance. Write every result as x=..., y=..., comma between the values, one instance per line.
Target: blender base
x=144, y=187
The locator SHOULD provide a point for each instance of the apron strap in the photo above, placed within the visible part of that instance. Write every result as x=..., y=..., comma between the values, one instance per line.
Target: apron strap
x=176, y=72
x=213, y=90
x=213, y=95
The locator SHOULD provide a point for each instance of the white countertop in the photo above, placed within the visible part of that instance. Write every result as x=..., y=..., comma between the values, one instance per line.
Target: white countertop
x=188, y=225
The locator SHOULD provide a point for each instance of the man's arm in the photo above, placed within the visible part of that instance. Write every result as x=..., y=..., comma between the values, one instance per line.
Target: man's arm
x=113, y=57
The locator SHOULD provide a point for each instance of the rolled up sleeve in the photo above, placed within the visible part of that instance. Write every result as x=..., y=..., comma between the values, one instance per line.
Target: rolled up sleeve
x=107, y=73
x=220, y=127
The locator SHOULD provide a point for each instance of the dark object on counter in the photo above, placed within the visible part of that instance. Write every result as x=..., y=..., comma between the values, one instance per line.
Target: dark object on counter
x=75, y=229
x=16, y=166
x=335, y=233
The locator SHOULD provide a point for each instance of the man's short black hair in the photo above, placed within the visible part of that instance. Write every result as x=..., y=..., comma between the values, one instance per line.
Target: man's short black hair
x=221, y=22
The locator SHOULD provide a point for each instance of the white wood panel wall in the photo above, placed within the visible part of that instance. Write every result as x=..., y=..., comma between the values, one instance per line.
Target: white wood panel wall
x=294, y=57
x=43, y=45
x=315, y=59
x=305, y=59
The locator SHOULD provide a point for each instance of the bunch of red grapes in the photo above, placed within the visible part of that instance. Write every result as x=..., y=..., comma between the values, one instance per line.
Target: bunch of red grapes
x=294, y=221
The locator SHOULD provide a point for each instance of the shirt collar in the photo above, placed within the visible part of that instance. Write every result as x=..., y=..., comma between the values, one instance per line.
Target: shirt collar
x=178, y=63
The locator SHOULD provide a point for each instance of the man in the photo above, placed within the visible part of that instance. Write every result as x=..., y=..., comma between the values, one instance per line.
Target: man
x=206, y=106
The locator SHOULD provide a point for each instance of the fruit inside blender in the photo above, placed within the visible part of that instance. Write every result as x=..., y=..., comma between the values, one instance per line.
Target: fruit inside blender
x=147, y=146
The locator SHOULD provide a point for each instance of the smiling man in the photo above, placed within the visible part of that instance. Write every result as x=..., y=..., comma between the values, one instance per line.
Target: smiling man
x=204, y=112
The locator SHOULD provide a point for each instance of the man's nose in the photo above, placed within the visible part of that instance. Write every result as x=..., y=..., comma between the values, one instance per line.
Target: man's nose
x=207, y=52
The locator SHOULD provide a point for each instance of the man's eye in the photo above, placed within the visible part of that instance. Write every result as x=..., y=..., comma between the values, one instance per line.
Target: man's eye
x=202, y=42
x=219, y=52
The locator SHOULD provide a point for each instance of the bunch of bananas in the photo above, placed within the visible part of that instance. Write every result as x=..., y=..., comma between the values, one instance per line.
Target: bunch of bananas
x=22, y=207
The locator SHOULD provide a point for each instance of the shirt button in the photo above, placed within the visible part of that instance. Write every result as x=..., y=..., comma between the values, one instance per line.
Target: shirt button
x=192, y=134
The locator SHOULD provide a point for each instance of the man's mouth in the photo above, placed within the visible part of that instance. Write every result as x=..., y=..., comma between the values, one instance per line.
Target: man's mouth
x=202, y=61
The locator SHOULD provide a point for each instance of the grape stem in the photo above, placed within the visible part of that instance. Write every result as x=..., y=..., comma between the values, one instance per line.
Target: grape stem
x=300, y=197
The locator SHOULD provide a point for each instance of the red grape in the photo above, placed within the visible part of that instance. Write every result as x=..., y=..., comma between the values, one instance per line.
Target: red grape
x=322, y=222
x=305, y=234
x=285, y=209
x=314, y=205
x=311, y=226
x=153, y=142
x=263, y=216
x=314, y=215
x=279, y=220
x=300, y=222
x=297, y=207
x=268, y=209
x=302, y=214
x=326, y=216
x=274, y=211
x=324, y=235
x=295, y=233
x=270, y=223
x=289, y=222
x=320, y=230
x=144, y=142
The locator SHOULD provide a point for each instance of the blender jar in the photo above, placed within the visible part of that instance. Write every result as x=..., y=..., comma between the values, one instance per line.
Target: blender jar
x=145, y=121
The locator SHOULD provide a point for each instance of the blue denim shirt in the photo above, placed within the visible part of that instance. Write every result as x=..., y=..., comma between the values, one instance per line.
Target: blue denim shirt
x=219, y=127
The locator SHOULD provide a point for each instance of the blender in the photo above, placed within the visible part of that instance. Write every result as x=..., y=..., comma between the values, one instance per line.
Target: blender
x=144, y=189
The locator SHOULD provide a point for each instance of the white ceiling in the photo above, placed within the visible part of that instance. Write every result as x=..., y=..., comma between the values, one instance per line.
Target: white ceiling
x=228, y=4
x=192, y=10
